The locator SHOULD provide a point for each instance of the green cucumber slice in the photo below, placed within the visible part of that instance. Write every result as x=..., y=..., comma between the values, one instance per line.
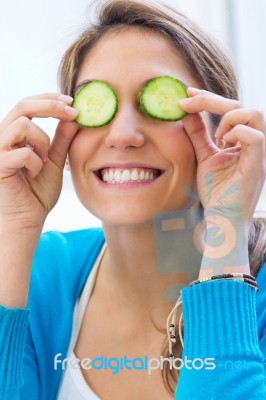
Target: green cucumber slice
x=160, y=98
x=96, y=103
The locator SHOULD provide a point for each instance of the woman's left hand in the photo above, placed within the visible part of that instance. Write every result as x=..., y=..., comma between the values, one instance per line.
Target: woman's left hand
x=241, y=166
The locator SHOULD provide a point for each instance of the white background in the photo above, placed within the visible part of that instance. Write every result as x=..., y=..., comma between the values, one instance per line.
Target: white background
x=34, y=35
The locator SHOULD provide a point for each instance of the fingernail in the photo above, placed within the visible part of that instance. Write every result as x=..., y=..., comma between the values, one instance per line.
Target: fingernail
x=185, y=102
x=71, y=111
x=220, y=143
x=65, y=98
x=45, y=158
x=193, y=91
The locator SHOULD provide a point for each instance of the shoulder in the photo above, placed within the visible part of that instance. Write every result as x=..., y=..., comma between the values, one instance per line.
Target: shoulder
x=66, y=240
x=74, y=245
x=62, y=260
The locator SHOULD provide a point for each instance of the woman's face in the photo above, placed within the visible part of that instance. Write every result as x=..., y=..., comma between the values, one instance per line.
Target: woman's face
x=133, y=141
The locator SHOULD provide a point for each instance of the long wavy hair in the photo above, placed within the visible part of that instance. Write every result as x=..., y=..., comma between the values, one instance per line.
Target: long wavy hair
x=208, y=63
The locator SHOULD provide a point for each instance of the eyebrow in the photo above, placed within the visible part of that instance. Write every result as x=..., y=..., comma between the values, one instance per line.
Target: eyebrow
x=82, y=83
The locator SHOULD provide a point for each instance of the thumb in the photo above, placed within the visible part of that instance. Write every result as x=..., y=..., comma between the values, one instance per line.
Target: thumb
x=199, y=137
x=61, y=142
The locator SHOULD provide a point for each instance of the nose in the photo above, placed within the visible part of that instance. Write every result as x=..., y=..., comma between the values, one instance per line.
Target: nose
x=125, y=130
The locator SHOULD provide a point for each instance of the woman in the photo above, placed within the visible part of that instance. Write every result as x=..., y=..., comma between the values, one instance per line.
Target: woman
x=97, y=293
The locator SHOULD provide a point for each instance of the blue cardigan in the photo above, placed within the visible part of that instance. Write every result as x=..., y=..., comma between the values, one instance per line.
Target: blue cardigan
x=225, y=320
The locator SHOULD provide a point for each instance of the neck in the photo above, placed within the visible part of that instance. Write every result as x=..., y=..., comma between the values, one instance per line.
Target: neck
x=130, y=277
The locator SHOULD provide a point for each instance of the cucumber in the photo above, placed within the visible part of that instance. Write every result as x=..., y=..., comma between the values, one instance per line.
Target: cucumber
x=160, y=98
x=97, y=104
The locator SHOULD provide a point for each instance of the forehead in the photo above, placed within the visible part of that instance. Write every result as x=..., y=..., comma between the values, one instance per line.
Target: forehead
x=134, y=54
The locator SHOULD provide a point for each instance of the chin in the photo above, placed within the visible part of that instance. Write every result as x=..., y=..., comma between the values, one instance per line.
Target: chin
x=133, y=210
x=118, y=218
x=128, y=215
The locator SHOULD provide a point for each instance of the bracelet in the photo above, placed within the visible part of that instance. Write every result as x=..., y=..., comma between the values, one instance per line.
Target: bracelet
x=249, y=279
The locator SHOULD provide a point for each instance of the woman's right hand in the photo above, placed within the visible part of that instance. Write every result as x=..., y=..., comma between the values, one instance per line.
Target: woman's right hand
x=31, y=169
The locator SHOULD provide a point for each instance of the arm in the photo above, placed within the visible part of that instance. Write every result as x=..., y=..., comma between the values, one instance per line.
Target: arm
x=30, y=184
x=222, y=325
x=14, y=316
x=220, y=320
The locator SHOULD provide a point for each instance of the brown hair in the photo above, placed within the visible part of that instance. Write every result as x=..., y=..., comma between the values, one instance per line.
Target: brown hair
x=207, y=61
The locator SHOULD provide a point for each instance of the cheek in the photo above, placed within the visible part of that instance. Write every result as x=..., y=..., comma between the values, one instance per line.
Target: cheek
x=178, y=149
x=82, y=148
x=180, y=153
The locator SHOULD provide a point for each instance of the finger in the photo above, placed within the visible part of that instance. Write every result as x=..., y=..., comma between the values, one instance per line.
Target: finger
x=24, y=132
x=252, y=146
x=51, y=96
x=48, y=96
x=252, y=162
x=64, y=135
x=220, y=143
x=202, y=100
x=40, y=109
x=253, y=118
x=12, y=161
x=200, y=139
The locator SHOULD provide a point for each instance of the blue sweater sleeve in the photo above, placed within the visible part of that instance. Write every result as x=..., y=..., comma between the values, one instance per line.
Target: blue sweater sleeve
x=18, y=378
x=13, y=328
x=31, y=336
x=223, y=351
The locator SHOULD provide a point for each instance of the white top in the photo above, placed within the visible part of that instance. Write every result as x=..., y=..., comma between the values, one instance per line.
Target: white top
x=73, y=385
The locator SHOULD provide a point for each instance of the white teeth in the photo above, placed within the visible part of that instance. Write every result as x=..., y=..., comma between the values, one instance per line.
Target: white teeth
x=134, y=175
x=110, y=175
x=119, y=176
x=141, y=175
x=126, y=176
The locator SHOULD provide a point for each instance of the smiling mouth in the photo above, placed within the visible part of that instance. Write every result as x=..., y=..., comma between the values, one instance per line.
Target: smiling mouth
x=129, y=175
